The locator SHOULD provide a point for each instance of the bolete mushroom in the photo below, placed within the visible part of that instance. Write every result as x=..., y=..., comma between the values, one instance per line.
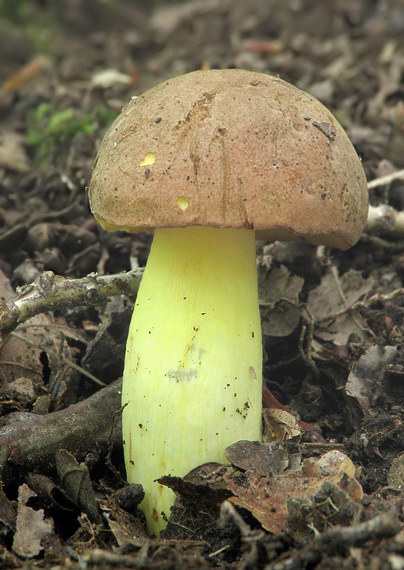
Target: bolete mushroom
x=210, y=159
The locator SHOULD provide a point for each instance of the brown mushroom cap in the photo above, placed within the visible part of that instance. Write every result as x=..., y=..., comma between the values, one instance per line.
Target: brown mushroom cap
x=231, y=148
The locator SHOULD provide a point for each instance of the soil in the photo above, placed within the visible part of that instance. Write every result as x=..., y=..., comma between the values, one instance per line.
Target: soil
x=332, y=321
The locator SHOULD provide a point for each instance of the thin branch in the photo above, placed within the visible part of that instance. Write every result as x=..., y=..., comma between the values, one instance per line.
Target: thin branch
x=387, y=179
x=229, y=514
x=341, y=293
x=306, y=336
x=377, y=298
x=53, y=292
x=31, y=440
x=377, y=241
x=338, y=540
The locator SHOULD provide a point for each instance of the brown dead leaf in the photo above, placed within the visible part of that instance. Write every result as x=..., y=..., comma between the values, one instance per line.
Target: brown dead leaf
x=263, y=458
x=119, y=509
x=125, y=528
x=267, y=497
x=198, y=497
x=50, y=493
x=32, y=527
x=36, y=349
x=280, y=425
x=331, y=463
x=339, y=468
x=202, y=487
x=32, y=347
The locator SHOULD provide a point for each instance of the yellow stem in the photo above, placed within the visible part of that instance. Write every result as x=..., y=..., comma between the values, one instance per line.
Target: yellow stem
x=193, y=369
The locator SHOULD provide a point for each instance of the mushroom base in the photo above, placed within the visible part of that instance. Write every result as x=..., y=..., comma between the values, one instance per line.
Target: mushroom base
x=193, y=371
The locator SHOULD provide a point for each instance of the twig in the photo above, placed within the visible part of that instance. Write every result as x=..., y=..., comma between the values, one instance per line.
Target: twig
x=341, y=293
x=104, y=558
x=283, y=363
x=108, y=461
x=31, y=440
x=338, y=540
x=321, y=445
x=53, y=292
x=229, y=514
x=377, y=241
x=387, y=179
x=35, y=67
x=306, y=334
x=377, y=298
x=217, y=552
x=17, y=233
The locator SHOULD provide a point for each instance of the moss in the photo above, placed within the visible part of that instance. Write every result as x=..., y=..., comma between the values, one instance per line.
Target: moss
x=50, y=131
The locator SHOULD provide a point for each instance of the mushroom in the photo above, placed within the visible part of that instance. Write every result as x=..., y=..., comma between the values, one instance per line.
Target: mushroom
x=211, y=159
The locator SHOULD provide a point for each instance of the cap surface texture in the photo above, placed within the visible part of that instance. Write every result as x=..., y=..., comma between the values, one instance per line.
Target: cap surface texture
x=231, y=148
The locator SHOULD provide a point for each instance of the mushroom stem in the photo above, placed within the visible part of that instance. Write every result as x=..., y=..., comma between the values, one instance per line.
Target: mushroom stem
x=193, y=372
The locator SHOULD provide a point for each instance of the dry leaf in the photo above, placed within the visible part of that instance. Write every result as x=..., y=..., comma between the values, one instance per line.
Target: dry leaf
x=395, y=476
x=362, y=379
x=278, y=292
x=263, y=458
x=326, y=300
x=32, y=527
x=267, y=497
x=280, y=424
x=126, y=528
x=32, y=350
x=75, y=479
x=333, y=462
x=201, y=486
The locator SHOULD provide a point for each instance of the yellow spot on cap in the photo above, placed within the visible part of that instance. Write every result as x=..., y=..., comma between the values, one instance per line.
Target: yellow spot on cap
x=148, y=160
x=183, y=203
